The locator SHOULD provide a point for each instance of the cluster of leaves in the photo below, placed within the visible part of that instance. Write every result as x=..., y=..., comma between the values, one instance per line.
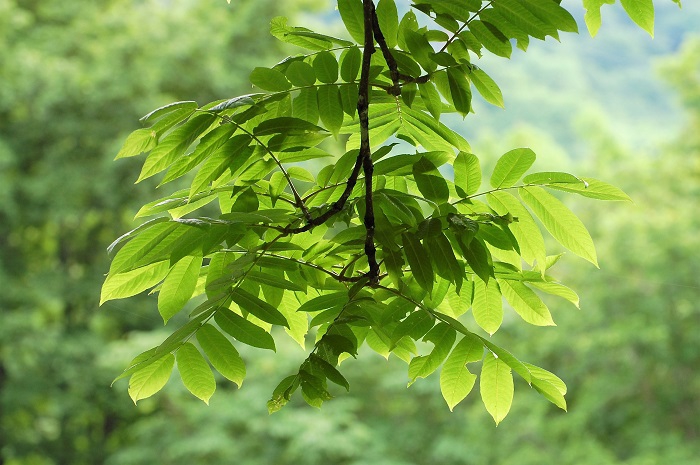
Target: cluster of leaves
x=378, y=247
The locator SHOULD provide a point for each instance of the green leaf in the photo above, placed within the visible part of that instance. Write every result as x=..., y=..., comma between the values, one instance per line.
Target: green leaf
x=467, y=174
x=593, y=189
x=243, y=330
x=592, y=16
x=221, y=354
x=300, y=74
x=491, y=38
x=460, y=90
x=443, y=256
x=478, y=258
x=456, y=381
x=487, y=307
x=558, y=290
x=443, y=336
x=326, y=67
x=431, y=98
x=178, y=286
x=552, y=178
x=511, y=166
x=418, y=260
x=195, y=372
x=526, y=303
x=139, y=141
x=487, y=87
x=270, y=79
x=174, y=145
x=324, y=302
x=122, y=285
x=182, y=109
x=641, y=12
x=525, y=230
x=561, y=223
x=258, y=308
x=151, y=378
x=330, y=108
x=415, y=325
x=352, y=15
x=388, y=17
x=305, y=106
x=430, y=182
x=350, y=63
x=496, y=386
x=285, y=125
x=329, y=371
x=272, y=280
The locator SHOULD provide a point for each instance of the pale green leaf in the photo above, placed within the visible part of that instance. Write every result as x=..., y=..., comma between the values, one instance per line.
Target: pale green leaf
x=350, y=62
x=559, y=290
x=467, y=174
x=222, y=354
x=388, y=17
x=525, y=230
x=511, y=166
x=139, y=141
x=195, y=372
x=151, y=378
x=593, y=189
x=487, y=306
x=179, y=285
x=496, y=385
x=641, y=12
x=330, y=108
x=122, y=285
x=455, y=379
x=326, y=67
x=561, y=223
x=526, y=303
x=491, y=38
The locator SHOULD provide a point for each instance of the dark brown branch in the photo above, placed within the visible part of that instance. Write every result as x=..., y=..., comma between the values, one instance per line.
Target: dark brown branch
x=395, y=89
x=365, y=148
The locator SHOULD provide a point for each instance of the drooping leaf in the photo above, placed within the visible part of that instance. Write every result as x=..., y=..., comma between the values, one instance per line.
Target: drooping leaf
x=487, y=87
x=641, y=12
x=418, y=260
x=496, y=386
x=195, y=372
x=151, y=378
x=179, y=285
x=257, y=307
x=352, y=15
x=122, y=285
x=243, y=330
x=221, y=354
x=430, y=182
x=388, y=17
x=460, y=90
x=456, y=381
x=525, y=302
x=486, y=306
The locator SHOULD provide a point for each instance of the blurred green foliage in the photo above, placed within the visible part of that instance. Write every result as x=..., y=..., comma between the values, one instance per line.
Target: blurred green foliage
x=75, y=76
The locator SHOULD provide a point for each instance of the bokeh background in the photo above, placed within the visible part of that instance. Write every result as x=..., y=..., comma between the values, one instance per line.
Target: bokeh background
x=76, y=76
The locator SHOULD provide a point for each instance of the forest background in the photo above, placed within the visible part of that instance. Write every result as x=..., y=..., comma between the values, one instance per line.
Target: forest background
x=76, y=76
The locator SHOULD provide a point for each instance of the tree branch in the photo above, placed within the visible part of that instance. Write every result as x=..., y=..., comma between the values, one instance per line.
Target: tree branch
x=365, y=148
x=394, y=90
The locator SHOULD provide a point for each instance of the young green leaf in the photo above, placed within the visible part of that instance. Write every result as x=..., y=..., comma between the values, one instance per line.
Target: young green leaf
x=122, y=285
x=258, y=308
x=221, y=354
x=511, y=166
x=414, y=326
x=388, y=17
x=150, y=379
x=496, y=386
x=487, y=87
x=486, y=306
x=300, y=74
x=179, y=285
x=456, y=381
x=243, y=330
x=460, y=90
x=525, y=302
x=195, y=372
x=467, y=174
x=561, y=223
x=594, y=189
x=443, y=336
x=491, y=38
x=353, y=17
x=641, y=12
x=330, y=108
x=270, y=79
